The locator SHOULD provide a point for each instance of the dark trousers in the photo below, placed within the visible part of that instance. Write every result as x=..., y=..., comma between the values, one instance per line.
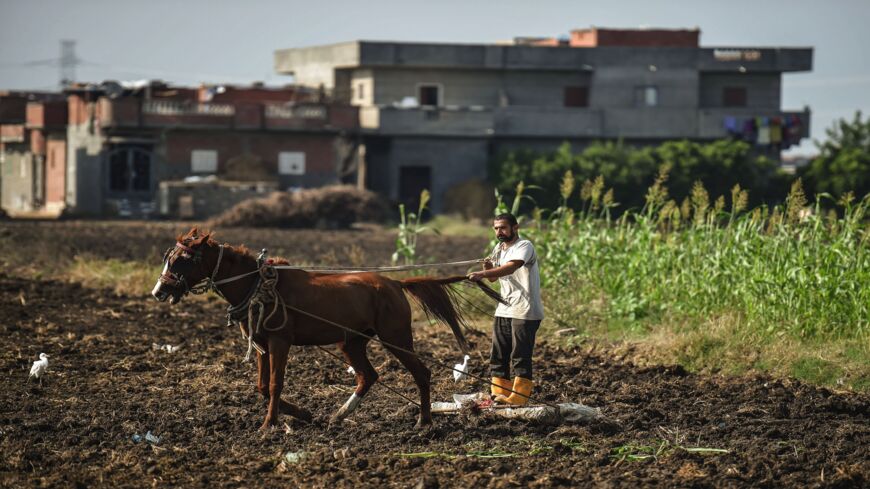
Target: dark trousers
x=512, y=343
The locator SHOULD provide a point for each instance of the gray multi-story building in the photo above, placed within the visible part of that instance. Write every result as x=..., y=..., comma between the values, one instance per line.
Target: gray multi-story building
x=432, y=115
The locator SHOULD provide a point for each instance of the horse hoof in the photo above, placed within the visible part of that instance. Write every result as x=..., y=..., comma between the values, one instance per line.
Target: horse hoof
x=423, y=424
x=268, y=425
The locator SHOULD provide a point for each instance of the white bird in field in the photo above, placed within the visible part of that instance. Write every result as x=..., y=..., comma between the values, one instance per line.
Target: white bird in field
x=39, y=367
x=460, y=370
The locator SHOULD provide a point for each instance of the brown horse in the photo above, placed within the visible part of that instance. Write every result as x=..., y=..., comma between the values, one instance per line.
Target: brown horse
x=306, y=308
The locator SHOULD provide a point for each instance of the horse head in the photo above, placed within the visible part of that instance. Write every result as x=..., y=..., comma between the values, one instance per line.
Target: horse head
x=184, y=266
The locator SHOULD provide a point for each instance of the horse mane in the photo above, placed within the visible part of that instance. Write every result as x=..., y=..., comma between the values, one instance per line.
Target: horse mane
x=237, y=249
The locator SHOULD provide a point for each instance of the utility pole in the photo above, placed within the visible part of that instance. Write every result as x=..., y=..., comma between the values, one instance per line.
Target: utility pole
x=67, y=62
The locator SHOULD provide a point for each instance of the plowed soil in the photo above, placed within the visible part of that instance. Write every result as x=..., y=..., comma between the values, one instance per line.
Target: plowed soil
x=106, y=384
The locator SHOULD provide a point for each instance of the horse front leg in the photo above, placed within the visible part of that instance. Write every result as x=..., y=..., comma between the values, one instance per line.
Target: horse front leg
x=263, y=375
x=278, y=349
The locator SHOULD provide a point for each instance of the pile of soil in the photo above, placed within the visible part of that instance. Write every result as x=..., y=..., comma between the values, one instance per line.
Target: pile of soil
x=332, y=207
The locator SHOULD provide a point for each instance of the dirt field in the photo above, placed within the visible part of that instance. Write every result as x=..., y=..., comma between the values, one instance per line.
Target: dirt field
x=106, y=384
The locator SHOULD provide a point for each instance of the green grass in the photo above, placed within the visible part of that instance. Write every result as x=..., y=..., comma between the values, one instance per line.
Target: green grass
x=816, y=370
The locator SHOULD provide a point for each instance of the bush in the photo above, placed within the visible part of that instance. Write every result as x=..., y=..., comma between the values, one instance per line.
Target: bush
x=332, y=207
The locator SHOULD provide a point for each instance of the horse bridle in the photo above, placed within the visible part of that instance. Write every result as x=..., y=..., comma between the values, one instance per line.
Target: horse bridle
x=172, y=279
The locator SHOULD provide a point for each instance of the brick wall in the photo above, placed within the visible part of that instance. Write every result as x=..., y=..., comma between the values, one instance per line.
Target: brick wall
x=55, y=171
x=634, y=37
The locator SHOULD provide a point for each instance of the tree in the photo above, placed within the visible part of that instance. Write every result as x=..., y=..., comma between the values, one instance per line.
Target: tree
x=843, y=163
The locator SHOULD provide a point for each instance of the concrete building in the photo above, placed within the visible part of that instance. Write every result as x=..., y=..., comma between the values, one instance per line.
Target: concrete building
x=433, y=115
x=123, y=140
x=32, y=152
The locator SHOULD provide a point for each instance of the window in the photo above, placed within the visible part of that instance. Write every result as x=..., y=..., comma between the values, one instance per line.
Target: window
x=291, y=163
x=576, y=97
x=203, y=161
x=646, y=96
x=734, y=97
x=430, y=95
x=360, y=91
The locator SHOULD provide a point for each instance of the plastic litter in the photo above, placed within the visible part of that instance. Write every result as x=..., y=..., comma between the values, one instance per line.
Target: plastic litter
x=149, y=437
x=167, y=347
x=295, y=457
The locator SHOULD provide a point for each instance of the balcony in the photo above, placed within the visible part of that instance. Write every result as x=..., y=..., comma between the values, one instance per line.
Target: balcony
x=548, y=122
x=483, y=121
x=160, y=113
x=466, y=121
x=133, y=113
x=712, y=122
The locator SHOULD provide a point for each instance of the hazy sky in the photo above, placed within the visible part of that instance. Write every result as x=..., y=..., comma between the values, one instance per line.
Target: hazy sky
x=215, y=41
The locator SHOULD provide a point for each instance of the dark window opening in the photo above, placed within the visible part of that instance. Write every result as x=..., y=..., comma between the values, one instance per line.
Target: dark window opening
x=141, y=165
x=129, y=169
x=429, y=95
x=412, y=181
x=118, y=171
x=734, y=97
x=576, y=97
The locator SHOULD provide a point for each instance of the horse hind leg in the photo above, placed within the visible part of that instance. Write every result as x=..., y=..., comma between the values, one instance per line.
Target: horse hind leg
x=421, y=374
x=355, y=352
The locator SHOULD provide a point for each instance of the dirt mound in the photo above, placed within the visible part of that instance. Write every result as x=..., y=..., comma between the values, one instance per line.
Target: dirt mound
x=333, y=207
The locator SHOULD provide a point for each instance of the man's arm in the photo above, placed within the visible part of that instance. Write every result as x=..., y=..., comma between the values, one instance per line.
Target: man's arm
x=493, y=273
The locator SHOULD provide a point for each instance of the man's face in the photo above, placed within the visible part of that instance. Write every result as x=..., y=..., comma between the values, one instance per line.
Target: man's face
x=504, y=232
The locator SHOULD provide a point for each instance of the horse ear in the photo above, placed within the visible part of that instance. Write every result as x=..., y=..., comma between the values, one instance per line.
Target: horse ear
x=193, y=232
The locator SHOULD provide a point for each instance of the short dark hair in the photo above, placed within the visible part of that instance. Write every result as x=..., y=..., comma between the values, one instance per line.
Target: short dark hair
x=506, y=216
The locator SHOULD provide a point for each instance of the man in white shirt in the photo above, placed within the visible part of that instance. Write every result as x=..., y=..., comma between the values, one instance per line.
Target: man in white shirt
x=514, y=264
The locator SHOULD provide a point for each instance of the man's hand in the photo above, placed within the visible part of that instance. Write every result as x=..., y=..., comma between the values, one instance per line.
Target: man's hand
x=475, y=276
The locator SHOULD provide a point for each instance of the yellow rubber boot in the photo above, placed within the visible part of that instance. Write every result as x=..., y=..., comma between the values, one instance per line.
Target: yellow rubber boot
x=522, y=389
x=500, y=386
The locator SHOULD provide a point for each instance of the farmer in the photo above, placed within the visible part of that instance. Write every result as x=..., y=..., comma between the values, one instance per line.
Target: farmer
x=514, y=263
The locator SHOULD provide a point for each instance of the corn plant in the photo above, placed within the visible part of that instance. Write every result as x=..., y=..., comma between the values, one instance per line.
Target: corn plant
x=409, y=229
x=791, y=269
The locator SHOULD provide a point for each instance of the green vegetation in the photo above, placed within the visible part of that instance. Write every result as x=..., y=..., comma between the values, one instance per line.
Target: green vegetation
x=843, y=164
x=409, y=229
x=629, y=170
x=710, y=284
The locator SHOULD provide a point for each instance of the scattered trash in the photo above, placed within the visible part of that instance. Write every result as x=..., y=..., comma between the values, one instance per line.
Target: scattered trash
x=351, y=371
x=39, y=367
x=295, y=457
x=149, y=437
x=167, y=347
x=460, y=370
x=341, y=453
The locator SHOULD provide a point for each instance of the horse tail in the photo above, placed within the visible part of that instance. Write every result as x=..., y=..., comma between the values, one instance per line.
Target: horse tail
x=437, y=299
